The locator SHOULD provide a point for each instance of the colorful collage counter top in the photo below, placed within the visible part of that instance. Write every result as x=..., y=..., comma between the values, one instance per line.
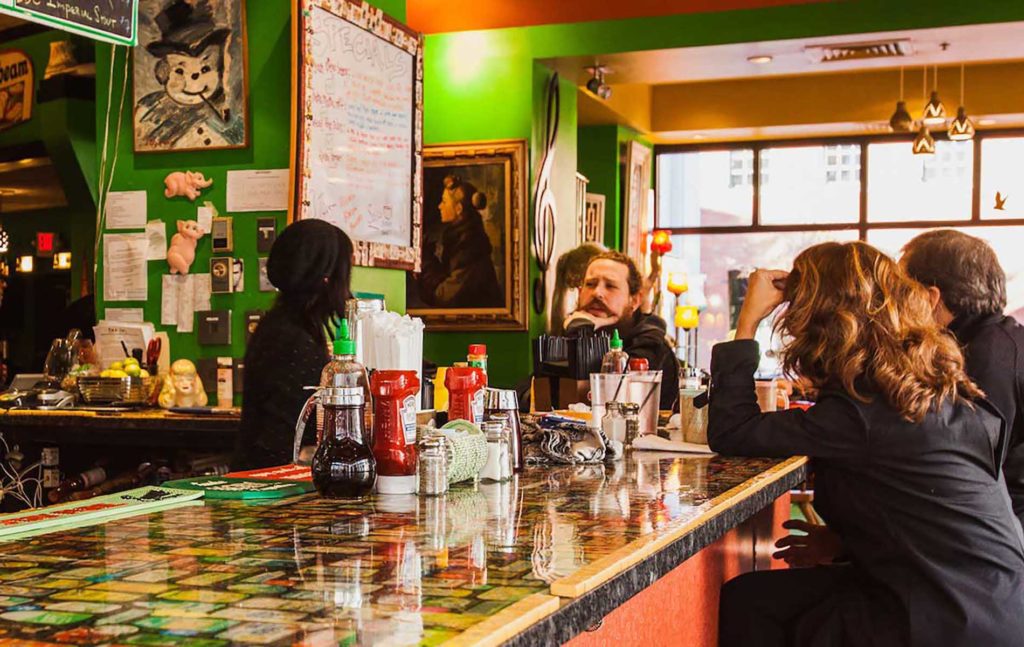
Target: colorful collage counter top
x=532, y=561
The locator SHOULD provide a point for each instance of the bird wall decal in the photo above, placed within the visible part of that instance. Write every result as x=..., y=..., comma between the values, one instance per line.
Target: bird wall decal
x=1001, y=201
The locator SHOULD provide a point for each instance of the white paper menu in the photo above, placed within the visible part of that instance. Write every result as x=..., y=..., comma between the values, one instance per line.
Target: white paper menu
x=126, y=210
x=124, y=267
x=260, y=190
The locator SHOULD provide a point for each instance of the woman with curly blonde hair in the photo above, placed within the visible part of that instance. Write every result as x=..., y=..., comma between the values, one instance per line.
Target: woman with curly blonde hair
x=906, y=455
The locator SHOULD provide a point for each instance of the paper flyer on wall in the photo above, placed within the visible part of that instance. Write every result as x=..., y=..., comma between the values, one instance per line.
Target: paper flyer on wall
x=124, y=267
x=126, y=210
x=181, y=297
x=259, y=190
x=156, y=235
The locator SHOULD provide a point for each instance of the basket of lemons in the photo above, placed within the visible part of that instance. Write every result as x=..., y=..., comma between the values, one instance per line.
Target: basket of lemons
x=122, y=382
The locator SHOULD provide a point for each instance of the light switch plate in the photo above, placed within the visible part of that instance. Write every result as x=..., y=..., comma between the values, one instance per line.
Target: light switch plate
x=214, y=327
x=266, y=234
x=222, y=235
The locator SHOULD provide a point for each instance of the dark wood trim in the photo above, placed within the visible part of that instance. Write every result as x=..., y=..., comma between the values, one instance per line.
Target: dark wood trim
x=846, y=226
x=862, y=224
x=823, y=141
x=863, y=206
x=756, y=183
x=976, y=181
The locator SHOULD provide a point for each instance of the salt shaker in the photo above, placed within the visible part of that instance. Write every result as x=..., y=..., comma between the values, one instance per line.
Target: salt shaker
x=614, y=423
x=433, y=467
x=506, y=401
x=499, y=455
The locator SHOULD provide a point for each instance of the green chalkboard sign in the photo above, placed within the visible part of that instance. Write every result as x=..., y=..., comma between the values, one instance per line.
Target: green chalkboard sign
x=112, y=21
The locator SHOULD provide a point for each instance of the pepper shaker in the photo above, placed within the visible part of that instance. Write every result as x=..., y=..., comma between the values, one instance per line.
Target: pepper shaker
x=433, y=467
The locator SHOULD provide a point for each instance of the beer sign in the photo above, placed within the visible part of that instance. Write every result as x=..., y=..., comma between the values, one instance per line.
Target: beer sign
x=17, y=82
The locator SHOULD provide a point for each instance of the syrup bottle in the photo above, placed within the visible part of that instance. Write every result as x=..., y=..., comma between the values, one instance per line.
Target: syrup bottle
x=343, y=465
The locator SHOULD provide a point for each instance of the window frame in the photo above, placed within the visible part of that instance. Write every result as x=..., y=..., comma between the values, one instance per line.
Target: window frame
x=862, y=225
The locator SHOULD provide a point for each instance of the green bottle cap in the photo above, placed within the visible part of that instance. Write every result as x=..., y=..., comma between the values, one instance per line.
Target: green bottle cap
x=343, y=343
x=616, y=342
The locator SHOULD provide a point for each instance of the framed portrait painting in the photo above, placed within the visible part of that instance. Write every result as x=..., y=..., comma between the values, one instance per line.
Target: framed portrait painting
x=473, y=271
x=190, y=76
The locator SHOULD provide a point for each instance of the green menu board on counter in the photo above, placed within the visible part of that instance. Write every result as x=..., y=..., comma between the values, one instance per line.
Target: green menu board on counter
x=223, y=487
x=111, y=21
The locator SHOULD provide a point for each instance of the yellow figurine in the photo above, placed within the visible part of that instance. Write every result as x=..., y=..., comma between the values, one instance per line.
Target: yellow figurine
x=183, y=387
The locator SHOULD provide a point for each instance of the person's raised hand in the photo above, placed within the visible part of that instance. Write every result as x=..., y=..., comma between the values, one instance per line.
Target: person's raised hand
x=819, y=546
x=764, y=294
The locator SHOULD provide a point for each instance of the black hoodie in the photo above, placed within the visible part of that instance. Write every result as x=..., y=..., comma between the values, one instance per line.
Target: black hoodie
x=645, y=337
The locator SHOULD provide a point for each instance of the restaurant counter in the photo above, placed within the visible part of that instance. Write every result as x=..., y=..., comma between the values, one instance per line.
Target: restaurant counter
x=614, y=552
x=132, y=428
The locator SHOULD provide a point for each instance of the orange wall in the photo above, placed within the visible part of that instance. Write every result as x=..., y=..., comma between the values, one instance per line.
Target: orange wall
x=438, y=16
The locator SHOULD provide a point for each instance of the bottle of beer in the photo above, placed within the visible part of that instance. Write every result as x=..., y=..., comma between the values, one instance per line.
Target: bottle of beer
x=87, y=479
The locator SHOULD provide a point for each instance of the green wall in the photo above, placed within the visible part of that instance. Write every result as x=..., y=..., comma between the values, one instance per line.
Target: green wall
x=488, y=85
x=481, y=86
x=601, y=154
x=269, y=43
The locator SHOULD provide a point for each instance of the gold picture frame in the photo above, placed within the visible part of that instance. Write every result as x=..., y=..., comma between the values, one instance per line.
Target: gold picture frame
x=495, y=172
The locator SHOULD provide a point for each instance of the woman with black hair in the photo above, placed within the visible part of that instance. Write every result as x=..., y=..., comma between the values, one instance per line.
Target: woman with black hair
x=311, y=264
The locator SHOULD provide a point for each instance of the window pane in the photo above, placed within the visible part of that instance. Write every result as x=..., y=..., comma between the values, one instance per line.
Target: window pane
x=904, y=186
x=1000, y=175
x=710, y=259
x=810, y=184
x=706, y=188
x=1006, y=241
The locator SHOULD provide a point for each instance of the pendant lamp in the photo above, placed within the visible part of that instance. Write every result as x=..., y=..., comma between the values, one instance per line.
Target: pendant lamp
x=924, y=143
x=934, y=112
x=901, y=121
x=961, y=129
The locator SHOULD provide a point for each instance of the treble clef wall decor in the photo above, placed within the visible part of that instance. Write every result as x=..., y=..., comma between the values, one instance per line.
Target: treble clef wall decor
x=544, y=199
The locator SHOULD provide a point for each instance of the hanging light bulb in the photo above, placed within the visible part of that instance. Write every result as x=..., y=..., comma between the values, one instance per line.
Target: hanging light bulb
x=961, y=129
x=901, y=121
x=924, y=143
x=934, y=111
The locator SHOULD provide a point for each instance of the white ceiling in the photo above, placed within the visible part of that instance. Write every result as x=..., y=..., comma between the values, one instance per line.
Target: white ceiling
x=965, y=44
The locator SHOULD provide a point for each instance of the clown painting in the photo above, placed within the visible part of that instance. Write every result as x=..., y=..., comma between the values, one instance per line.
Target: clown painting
x=190, y=76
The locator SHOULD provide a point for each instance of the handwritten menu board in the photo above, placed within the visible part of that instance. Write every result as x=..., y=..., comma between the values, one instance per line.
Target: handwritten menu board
x=113, y=21
x=359, y=129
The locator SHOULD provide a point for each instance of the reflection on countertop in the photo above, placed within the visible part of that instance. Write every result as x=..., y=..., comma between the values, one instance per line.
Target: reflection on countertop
x=394, y=570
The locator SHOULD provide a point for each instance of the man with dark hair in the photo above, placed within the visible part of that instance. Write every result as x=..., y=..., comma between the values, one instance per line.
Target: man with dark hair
x=968, y=294
x=610, y=298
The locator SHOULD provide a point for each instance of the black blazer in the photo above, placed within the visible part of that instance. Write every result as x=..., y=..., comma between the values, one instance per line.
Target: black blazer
x=921, y=508
x=994, y=352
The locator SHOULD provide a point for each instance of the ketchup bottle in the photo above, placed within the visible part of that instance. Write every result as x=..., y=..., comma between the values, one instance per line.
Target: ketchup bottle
x=465, y=393
x=394, y=430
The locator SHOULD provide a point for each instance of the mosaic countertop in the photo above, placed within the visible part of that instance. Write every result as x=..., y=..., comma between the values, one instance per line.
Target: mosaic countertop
x=478, y=566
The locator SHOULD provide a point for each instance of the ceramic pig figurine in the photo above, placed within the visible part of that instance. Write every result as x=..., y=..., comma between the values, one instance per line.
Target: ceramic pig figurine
x=182, y=251
x=183, y=388
x=185, y=183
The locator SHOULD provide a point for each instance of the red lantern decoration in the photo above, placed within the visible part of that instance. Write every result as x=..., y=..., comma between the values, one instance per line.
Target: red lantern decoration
x=661, y=242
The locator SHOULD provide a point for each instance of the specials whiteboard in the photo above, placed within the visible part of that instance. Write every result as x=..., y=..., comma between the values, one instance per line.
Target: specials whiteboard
x=357, y=135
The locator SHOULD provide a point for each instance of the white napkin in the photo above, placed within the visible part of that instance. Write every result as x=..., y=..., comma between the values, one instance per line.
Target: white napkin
x=657, y=443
